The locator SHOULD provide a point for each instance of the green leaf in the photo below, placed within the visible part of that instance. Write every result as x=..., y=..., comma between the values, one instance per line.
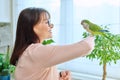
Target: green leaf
x=105, y=50
x=5, y=66
x=45, y=42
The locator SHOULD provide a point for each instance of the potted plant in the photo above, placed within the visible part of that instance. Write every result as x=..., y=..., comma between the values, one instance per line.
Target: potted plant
x=106, y=51
x=5, y=67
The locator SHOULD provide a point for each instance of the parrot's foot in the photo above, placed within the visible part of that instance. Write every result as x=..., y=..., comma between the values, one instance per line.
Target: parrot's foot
x=91, y=35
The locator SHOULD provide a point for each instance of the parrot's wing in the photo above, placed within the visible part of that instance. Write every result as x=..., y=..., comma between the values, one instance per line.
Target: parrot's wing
x=94, y=27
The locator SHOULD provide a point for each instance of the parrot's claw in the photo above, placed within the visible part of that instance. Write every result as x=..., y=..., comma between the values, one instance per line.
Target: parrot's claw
x=91, y=35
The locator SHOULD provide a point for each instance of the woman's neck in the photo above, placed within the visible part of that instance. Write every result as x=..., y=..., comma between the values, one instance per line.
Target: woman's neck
x=41, y=41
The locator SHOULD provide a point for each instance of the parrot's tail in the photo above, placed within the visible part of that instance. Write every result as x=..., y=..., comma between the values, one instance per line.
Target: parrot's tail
x=104, y=31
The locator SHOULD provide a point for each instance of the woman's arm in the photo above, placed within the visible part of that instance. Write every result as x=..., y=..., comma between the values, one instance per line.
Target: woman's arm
x=51, y=55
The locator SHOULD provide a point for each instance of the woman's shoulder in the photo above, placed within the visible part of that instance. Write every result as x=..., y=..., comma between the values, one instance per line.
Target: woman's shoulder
x=34, y=45
x=32, y=48
x=38, y=46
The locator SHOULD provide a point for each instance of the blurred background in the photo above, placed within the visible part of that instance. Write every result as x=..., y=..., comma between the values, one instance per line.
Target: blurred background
x=66, y=16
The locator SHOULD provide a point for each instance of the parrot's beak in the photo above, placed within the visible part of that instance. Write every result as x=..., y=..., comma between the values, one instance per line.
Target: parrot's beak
x=85, y=25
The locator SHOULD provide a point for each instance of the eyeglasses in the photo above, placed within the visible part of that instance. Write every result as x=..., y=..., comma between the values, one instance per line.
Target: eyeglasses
x=49, y=22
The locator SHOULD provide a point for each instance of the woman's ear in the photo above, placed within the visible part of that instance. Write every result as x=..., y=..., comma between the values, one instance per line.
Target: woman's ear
x=35, y=30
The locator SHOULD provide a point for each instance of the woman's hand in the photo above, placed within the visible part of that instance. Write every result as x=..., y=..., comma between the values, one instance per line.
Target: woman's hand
x=65, y=75
x=90, y=41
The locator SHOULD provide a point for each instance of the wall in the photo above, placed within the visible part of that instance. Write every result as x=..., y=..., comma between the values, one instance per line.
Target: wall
x=5, y=25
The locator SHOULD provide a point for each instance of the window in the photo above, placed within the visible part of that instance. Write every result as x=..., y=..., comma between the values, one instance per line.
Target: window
x=101, y=12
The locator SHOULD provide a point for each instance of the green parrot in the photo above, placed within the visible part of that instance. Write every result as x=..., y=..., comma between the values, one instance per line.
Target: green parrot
x=93, y=29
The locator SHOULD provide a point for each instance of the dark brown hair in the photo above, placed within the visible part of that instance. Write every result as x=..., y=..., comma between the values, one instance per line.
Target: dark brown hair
x=24, y=33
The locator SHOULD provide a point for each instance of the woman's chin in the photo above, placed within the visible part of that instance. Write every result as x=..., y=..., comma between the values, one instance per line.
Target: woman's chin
x=49, y=37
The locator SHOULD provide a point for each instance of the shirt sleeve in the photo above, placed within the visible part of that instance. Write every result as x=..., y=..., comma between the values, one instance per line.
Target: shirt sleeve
x=49, y=55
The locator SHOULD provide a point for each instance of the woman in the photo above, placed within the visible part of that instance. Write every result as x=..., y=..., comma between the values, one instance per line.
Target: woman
x=35, y=61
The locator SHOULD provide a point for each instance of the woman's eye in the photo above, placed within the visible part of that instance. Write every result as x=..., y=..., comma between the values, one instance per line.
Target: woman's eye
x=48, y=22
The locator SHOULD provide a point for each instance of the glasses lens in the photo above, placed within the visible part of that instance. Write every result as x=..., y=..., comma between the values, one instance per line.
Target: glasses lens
x=49, y=22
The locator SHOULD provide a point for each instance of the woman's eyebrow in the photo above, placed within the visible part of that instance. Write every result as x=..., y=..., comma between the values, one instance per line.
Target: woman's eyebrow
x=46, y=19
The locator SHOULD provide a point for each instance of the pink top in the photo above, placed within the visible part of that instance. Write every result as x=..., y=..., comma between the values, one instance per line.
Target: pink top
x=38, y=61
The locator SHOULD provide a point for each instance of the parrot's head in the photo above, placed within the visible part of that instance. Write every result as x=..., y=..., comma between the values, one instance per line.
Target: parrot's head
x=85, y=23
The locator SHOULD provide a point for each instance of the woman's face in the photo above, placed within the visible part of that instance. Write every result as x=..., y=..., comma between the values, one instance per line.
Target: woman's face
x=43, y=27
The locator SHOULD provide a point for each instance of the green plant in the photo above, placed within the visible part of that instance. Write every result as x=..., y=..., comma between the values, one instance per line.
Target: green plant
x=5, y=67
x=106, y=51
x=49, y=41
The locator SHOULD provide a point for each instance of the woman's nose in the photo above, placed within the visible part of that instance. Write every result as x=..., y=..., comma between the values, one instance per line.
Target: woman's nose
x=52, y=25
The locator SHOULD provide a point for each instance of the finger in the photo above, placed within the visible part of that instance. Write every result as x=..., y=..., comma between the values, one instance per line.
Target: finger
x=61, y=79
x=68, y=77
x=63, y=73
x=68, y=73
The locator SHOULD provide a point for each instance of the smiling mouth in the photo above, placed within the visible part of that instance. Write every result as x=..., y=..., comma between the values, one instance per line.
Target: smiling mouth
x=50, y=31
